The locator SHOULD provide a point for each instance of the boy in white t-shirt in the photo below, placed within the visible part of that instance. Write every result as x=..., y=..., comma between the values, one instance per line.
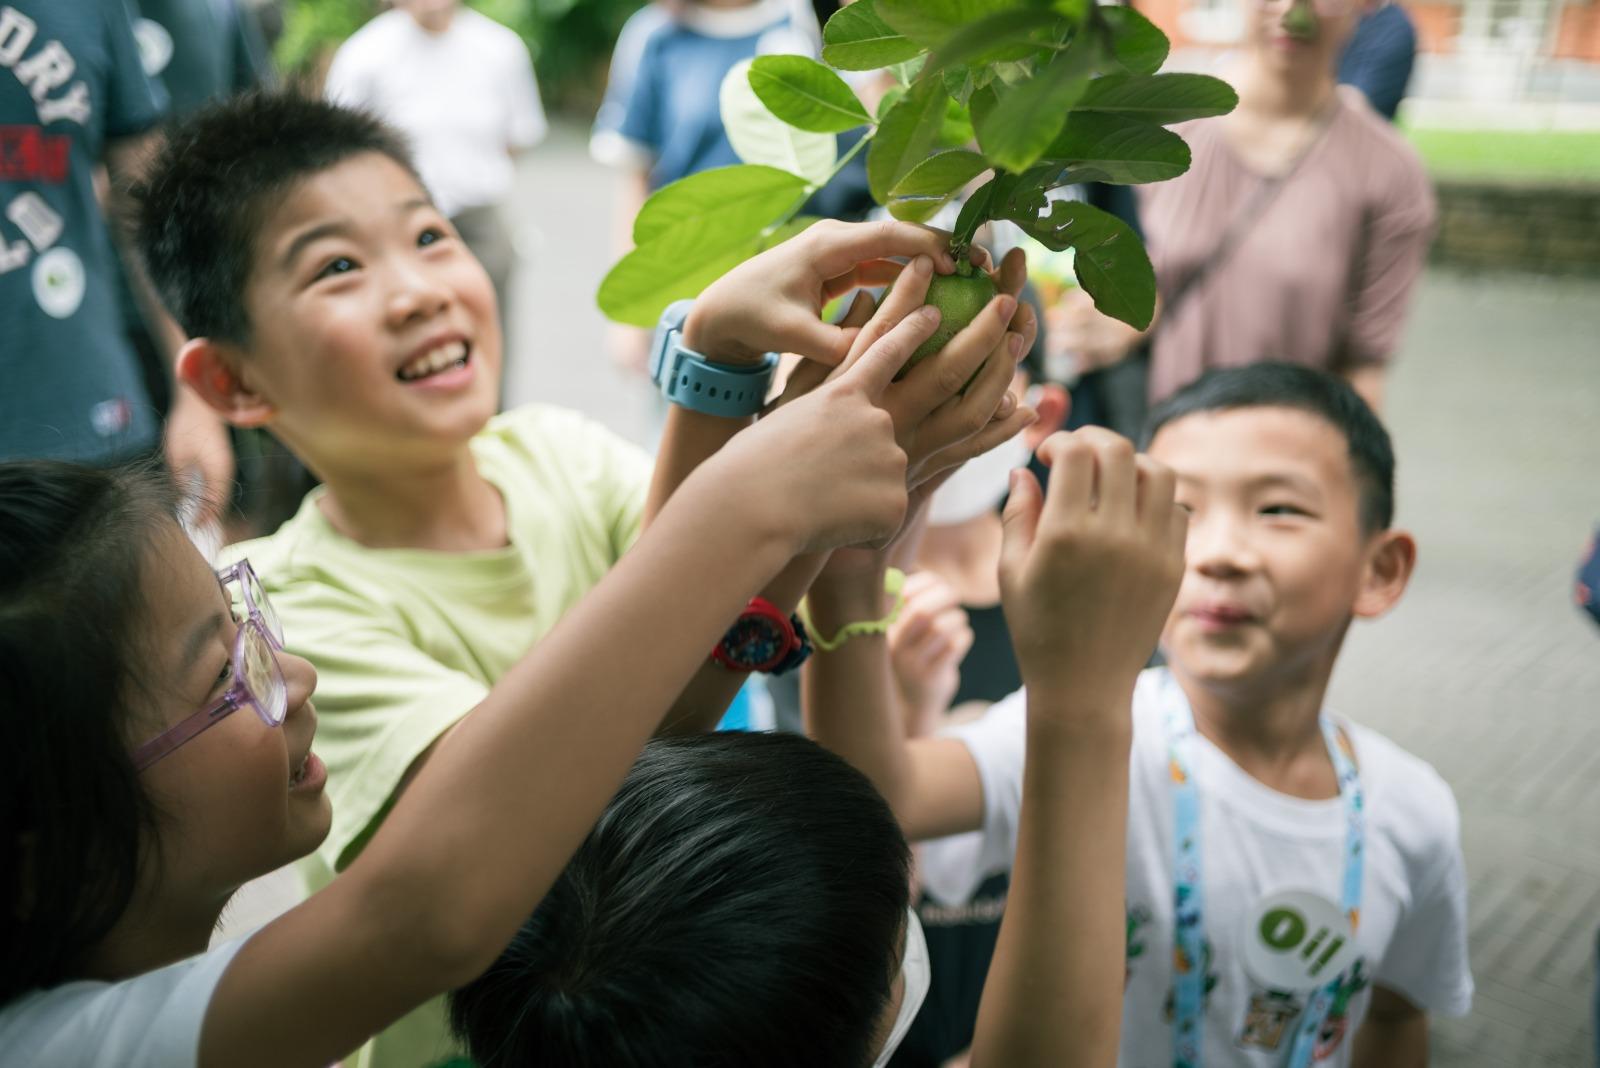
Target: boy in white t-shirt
x=1296, y=891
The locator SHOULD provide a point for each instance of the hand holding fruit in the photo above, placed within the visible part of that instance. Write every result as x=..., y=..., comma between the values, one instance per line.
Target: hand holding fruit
x=774, y=302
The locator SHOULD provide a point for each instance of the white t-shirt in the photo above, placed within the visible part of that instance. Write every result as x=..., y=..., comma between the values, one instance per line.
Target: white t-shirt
x=1256, y=842
x=149, y=1021
x=466, y=98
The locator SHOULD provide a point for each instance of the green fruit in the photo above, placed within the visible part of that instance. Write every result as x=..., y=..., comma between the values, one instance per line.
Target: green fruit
x=959, y=299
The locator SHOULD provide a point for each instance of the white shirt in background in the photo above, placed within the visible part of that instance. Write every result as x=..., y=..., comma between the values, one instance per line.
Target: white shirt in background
x=1256, y=842
x=466, y=98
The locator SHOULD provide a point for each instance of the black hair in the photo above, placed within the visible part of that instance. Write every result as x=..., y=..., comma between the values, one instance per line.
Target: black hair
x=73, y=817
x=741, y=902
x=1327, y=396
x=218, y=175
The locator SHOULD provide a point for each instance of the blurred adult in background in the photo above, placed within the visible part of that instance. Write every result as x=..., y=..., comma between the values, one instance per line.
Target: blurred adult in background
x=1297, y=234
x=200, y=51
x=661, y=118
x=1379, y=57
x=461, y=87
x=75, y=103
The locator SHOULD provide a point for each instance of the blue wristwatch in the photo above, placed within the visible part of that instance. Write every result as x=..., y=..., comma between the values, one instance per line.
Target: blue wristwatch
x=688, y=378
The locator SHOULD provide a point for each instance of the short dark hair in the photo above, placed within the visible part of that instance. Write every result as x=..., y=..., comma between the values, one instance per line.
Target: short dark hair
x=74, y=820
x=1286, y=385
x=217, y=176
x=741, y=902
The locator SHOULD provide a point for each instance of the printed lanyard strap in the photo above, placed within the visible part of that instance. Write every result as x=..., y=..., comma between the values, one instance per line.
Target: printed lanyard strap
x=1189, y=963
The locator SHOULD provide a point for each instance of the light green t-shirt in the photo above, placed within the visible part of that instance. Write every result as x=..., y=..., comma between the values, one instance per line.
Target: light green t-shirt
x=406, y=641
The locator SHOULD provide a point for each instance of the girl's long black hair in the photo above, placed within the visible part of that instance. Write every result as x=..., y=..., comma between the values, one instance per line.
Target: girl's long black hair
x=73, y=817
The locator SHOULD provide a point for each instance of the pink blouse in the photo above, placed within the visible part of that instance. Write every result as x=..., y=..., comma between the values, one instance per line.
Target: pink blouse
x=1323, y=277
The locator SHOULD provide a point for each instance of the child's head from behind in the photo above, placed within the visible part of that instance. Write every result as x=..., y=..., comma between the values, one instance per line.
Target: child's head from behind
x=742, y=901
x=1288, y=477
x=326, y=295
x=113, y=629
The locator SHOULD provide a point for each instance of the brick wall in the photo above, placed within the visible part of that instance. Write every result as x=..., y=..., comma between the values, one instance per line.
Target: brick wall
x=1547, y=229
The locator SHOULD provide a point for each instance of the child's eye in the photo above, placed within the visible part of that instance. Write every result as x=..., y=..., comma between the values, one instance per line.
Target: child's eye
x=337, y=265
x=225, y=676
x=431, y=235
x=1283, y=509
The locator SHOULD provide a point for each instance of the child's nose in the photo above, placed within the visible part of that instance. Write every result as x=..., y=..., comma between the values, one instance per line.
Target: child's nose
x=1217, y=546
x=414, y=295
x=300, y=678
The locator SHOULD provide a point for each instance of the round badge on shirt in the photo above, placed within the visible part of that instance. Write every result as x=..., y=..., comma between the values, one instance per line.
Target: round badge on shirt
x=1295, y=940
x=59, y=281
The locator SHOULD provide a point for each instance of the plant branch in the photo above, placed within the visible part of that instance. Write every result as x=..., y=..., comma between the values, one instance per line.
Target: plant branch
x=811, y=190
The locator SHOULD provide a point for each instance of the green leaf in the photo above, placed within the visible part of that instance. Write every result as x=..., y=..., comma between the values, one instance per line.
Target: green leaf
x=857, y=38
x=956, y=130
x=760, y=137
x=1006, y=36
x=933, y=22
x=1135, y=41
x=804, y=93
x=1024, y=119
x=1159, y=98
x=1109, y=260
x=940, y=175
x=692, y=231
x=906, y=73
x=905, y=136
x=1108, y=148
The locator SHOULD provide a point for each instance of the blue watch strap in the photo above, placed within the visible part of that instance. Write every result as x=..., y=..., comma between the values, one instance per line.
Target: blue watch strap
x=687, y=378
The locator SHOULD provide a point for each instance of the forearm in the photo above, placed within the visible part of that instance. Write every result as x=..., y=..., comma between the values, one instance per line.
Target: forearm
x=1054, y=991
x=703, y=702
x=846, y=694
x=548, y=747
x=688, y=440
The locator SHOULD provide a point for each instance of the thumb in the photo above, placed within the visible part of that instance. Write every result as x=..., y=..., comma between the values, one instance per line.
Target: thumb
x=1020, y=523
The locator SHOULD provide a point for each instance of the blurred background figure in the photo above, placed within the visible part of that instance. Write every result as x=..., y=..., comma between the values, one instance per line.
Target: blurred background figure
x=461, y=87
x=77, y=107
x=201, y=51
x=1298, y=232
x=661, y=118
x=1379, y=57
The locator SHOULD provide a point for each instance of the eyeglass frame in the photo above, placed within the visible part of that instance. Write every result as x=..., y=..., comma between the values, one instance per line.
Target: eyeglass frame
x=258, y=625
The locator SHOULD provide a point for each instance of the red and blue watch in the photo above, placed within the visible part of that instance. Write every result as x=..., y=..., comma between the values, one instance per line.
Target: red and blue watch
x=763, y=639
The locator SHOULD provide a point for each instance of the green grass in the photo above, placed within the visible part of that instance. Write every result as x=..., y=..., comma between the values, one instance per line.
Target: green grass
x=1521, y=155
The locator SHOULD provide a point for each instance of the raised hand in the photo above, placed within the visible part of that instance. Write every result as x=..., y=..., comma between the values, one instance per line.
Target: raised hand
x=828, y=464
x=773, y=302
x=1089, y=572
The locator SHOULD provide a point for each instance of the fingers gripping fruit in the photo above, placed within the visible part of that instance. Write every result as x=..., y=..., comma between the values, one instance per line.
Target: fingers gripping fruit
x=959, y=298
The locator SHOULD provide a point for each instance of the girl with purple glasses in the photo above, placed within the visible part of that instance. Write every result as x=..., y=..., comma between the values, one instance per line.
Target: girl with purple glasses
x=158, y=752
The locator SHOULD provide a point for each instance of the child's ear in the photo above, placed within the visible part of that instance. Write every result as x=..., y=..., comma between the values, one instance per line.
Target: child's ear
x=1391, y=558
x=1053, y=403
x=213, y=370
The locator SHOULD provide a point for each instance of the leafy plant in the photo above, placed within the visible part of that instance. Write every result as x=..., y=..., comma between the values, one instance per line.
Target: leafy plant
x=1033, y=94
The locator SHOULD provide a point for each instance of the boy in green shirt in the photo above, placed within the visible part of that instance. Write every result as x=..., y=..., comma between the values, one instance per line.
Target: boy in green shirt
x=328, y=299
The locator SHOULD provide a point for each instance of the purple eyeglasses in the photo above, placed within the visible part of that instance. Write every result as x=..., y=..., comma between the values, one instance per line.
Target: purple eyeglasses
x=256, y=678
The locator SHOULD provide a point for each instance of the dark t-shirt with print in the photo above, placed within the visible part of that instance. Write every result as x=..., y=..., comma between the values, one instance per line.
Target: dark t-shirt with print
x=70, y=81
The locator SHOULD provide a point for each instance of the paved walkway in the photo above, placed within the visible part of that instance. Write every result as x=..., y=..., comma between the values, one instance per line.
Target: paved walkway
x=1486, y=669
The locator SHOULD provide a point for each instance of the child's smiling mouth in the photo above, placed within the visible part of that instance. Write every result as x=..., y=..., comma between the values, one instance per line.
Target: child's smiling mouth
x=436, y=359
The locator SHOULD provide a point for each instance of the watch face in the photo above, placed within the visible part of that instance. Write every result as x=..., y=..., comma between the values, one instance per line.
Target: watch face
x=754, y=641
